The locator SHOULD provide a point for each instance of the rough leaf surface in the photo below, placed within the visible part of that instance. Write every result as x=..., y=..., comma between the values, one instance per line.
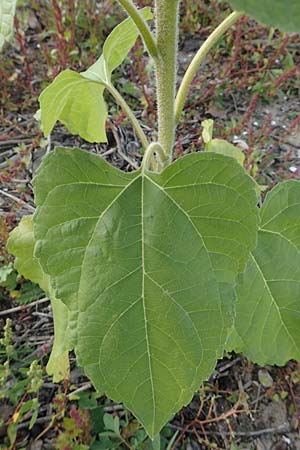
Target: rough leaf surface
x=7, y=13
x=76, y=99
x=268, y=309
x=21, y=245
x=144, y=263
x=273, y=13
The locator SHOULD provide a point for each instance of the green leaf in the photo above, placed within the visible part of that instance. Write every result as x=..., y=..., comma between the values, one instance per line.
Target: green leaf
x=268, y=308
x=76, y=99
x=7, y=13
x=12, y=433
x=112, y=423
x=219, y=146
x=143, y=262
x=21, y=244
x=58, y=365
x=273, y=13
x=225, y=148
x=76, y=102
x=8, y=277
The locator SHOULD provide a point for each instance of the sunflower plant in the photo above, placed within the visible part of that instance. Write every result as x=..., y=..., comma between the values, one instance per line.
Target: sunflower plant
x=153, y=273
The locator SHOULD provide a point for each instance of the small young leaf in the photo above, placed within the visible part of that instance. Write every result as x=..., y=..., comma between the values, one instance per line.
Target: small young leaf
x=273, y=13
x=76, y=99
x=12, y=433
x=225, y=148
x=207, y=132
x=219, y=145
x=268, y=309
x=112, y=423
x=21, y=244
x=7, y=13
x=141, y=260
x=8, y=277
x=76, y=102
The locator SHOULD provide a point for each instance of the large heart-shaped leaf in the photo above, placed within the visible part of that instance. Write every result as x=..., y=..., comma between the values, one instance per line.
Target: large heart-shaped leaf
x=267, y=320
x=21, y=244
x=274, y=13
x=76, y=99
x=7, y=13
x=143, y=261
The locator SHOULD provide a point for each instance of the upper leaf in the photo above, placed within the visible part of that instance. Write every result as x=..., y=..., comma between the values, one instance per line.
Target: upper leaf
x=143, y=262
x=268, y=309
x=21, y=244
x=7, y=13
x=273, y=13
x=76, y=102
x=76, y=99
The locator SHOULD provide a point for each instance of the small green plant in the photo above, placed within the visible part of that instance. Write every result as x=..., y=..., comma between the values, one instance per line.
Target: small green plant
x=19, y=386
x=146, y=269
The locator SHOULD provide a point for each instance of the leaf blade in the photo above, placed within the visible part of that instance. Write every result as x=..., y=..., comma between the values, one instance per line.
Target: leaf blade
x=135, y=295
x=21, y=244
x=76, y=102
x=273, y=13
x=76, y=99
x=268, y=309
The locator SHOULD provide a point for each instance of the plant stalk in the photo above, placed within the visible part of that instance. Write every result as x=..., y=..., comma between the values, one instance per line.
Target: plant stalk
x=198, y=59
x=129, y=113
x=142, y=26
x=166, y=17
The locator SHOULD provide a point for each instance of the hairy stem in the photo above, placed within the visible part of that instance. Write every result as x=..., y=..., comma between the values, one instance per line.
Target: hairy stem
x=198, y=59
x=129, y=113
x=166, y=15
x=142, y=26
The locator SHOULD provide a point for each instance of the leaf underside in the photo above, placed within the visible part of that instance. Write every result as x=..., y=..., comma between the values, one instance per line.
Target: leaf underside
x=21, y=244
x=268, y=308
x=273, y=13
x=144, y=263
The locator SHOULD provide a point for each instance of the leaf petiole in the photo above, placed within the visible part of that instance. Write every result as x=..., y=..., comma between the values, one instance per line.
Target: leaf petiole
x=157, y=163
x=198, y=59
x=142, y=26
x=129, y=113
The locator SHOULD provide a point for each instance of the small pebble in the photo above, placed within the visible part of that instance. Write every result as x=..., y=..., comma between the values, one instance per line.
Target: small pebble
x=293, y=169
x=286, y=439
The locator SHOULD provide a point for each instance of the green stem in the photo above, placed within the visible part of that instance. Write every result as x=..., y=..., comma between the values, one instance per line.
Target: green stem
x=142, y=26
x=166, y=12
x=198, y=59
x=129, y=113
